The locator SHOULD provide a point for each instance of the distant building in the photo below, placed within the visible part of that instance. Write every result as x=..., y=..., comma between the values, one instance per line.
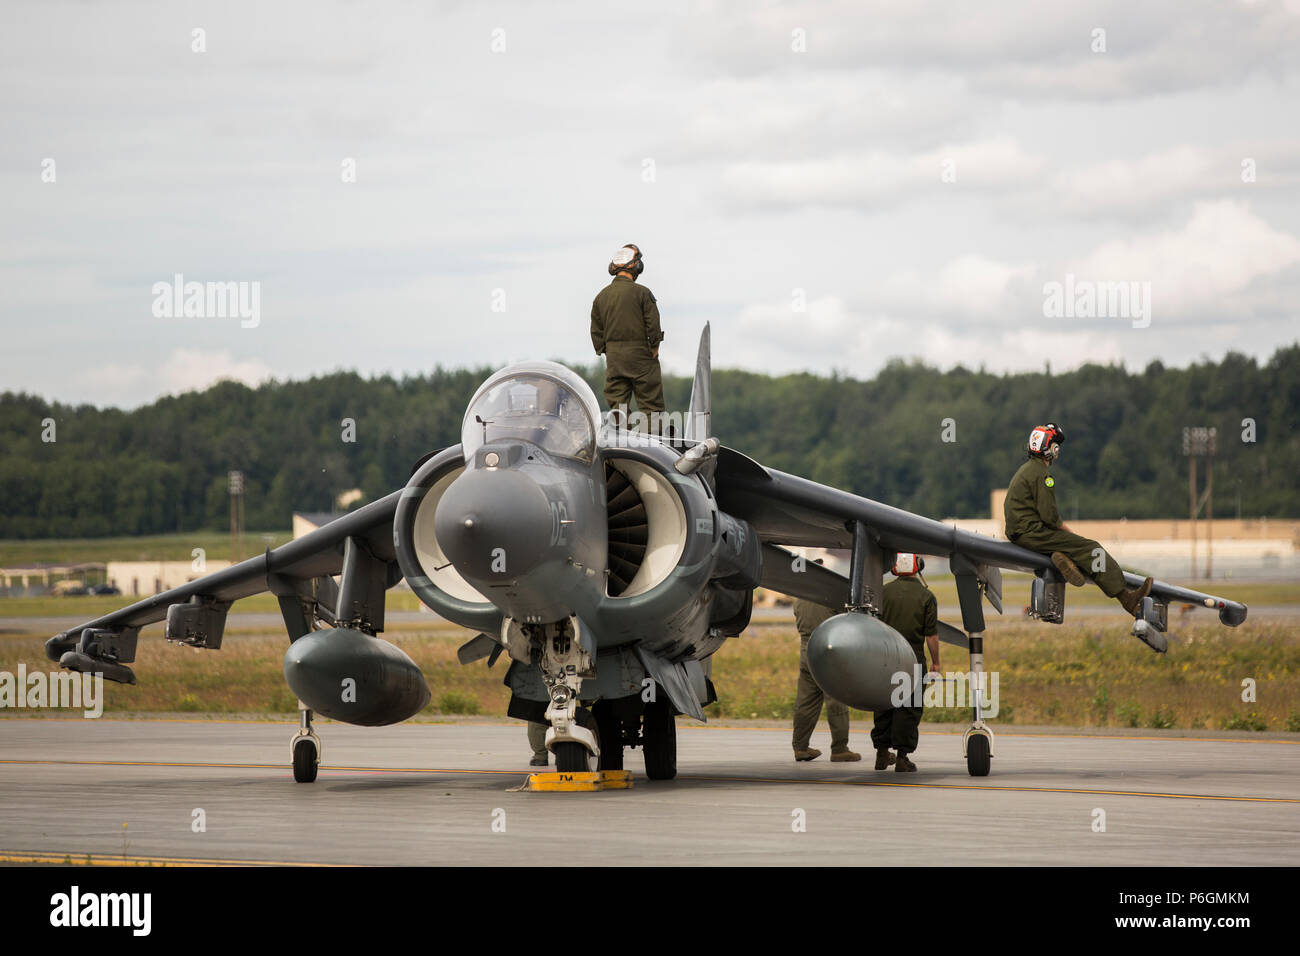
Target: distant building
x=145, y=578
x=33, y=580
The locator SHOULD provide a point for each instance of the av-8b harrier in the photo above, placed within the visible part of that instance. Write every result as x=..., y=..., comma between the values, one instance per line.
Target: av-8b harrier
x=608, y=564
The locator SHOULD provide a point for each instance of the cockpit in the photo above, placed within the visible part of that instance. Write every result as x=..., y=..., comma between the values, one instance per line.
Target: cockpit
x=542, y=403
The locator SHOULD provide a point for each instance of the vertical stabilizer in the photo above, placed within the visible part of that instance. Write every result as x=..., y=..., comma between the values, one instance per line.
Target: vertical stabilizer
x=699, y=417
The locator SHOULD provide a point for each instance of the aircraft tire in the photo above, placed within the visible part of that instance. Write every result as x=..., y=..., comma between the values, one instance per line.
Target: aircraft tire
x=571, y=757
x=977, y=755
x=304, y=760
x=609, y=732
x=660, y=732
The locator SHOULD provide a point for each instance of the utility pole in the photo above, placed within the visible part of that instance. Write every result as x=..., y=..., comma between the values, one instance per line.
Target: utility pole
x=236, y=513
x=1200, y=443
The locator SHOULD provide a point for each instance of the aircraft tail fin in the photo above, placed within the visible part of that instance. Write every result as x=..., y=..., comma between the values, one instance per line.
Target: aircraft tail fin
x=699, y=418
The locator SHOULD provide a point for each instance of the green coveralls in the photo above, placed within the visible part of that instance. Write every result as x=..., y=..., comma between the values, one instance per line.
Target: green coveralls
x=625, y=329
x=1033, y=522
x=537, y=739
x=909, y=608
x=809, y=697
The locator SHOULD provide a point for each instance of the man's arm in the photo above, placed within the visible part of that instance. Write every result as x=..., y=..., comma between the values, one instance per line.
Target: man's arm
x=650, y=312
x=597, y=330
x=1045, y=498
x=930, y=628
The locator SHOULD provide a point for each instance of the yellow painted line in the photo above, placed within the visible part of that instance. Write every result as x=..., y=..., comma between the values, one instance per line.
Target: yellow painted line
x=975, y=786
x=91, y=859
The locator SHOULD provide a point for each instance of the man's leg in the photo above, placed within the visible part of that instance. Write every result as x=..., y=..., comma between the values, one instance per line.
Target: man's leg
x=907, y=734
x=649, y=387
x=882, y=729
x=837, y=715
x=537, y=741
x=1088, y=556
x=807, y=706
x=618, y=391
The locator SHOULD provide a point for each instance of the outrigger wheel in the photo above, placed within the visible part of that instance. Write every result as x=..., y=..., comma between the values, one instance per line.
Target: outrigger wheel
x=979, y=752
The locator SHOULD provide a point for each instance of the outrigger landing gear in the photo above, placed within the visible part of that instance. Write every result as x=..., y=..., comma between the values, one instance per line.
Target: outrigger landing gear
x=977, y=742
x=305, y=748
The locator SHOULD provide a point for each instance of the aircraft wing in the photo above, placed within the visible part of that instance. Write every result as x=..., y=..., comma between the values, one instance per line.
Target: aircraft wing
x=298, y=573
x=788, y=510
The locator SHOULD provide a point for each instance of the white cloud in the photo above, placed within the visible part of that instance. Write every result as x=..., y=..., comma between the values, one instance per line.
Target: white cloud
x=875, y=178
x=1137, y=187
x=183, y=370
x=1015, y=48
x=1197, y=270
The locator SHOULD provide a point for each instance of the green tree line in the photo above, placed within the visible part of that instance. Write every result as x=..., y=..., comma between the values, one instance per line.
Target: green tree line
x=163, y=467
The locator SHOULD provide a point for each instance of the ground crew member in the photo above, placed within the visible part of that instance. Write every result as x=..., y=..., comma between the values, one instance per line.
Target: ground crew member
x=809, y=697
x=910, y=608
x=625, y=329
x=1033, y=522
x=537, y=741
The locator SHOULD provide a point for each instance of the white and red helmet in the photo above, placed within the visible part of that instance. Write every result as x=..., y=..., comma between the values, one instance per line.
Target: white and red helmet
x=1045, y=441
x=627, y=259
x=907, y=564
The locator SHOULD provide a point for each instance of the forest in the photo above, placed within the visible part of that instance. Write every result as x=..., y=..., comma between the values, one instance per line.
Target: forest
x=933, y=442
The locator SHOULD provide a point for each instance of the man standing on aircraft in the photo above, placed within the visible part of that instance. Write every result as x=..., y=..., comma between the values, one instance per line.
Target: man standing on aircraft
x=1033, y=522
x=910, y=608
x=625, y=329
x=809, y=697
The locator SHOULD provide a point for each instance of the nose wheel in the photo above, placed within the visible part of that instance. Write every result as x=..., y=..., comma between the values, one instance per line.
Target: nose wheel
x=305, y=749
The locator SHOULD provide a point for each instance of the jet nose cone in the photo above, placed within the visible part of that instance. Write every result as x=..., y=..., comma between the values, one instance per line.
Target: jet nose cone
x=494, y=525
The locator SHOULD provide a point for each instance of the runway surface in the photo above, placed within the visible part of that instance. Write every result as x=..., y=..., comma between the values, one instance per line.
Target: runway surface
x=431, y=794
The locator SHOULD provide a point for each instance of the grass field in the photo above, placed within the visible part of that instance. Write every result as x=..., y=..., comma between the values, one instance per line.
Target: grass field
x=1082, y=674
x=1015, y=592
x=163, y=547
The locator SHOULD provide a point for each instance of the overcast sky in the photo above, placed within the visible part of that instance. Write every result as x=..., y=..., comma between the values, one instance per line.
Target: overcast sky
x=912, y=173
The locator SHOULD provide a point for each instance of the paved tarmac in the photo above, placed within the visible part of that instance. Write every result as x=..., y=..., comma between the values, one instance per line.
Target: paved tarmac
x=423, y=793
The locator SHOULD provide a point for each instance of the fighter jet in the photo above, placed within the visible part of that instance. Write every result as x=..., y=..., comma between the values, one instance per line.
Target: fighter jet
x=608, y=562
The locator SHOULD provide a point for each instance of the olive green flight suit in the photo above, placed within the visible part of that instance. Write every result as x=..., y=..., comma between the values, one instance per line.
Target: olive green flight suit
x=1033, y=522
x=809, y=697
x=910, y=608
x=625, y=329
x=537, y=740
